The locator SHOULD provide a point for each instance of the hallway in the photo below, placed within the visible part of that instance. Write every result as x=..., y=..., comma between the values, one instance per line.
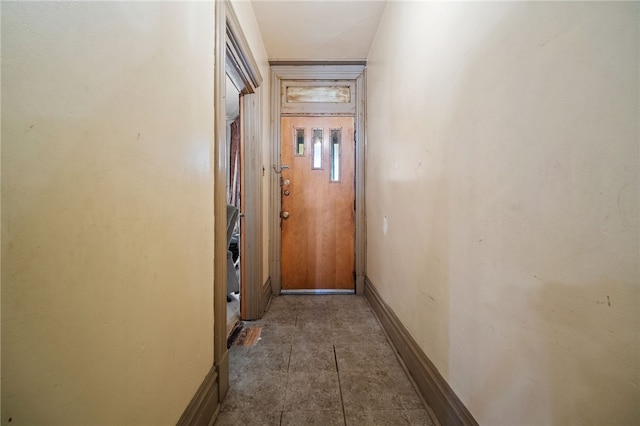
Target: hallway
x=498, y=194
x=320, y=360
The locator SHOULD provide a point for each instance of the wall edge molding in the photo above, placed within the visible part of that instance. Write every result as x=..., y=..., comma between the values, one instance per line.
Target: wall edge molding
x=267, y=291
x=434, y=388
x=204, y=406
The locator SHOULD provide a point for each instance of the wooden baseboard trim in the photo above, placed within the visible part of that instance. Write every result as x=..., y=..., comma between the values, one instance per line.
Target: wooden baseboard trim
x=222, y=367
x=204, y=405
x=434, y=389
x=266, y=294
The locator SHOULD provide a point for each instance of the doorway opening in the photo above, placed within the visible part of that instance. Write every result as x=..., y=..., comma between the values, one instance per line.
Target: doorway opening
x=241, y=69
x=234, y=192
x=317, y=188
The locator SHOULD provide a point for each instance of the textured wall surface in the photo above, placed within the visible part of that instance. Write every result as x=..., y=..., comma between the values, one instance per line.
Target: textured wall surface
x=107, y=210
x=502, y=201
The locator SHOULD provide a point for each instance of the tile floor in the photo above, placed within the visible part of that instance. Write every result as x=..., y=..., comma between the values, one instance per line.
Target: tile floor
x=321, y=360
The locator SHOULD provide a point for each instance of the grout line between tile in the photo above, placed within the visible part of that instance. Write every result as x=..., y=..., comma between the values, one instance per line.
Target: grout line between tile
x=335, y=358
x=286, y=387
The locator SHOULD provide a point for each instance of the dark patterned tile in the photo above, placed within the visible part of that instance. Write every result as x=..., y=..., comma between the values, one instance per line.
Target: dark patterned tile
x=283, y=303
x=313, y=391
x=313, y=317
x=259, y=358
x=419, y=418
x=312, y=357
x=320, y=418
x=248, y=418
x=376, y=418
x=256, y=392
x=276, y=335
x=346, y=319
x=358, y=333
x=350, y=303
x=367, y=356
x=290, y=376
x=312, y=334
x=281, y=317
x=315, y=302
x=377, y=390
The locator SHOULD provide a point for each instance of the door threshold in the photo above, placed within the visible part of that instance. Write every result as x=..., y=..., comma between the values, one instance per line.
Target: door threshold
x=237, y=328
x=318, y=291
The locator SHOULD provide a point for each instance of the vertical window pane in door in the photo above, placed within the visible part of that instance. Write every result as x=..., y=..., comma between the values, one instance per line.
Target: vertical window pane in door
x=336, y=139
x=299, y=144
x=317, y=149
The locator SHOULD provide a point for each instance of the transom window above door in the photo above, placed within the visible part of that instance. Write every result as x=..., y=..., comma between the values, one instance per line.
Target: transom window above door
x=317, y=97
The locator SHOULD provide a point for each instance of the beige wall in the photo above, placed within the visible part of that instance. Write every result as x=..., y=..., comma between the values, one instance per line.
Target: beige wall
x=251, y=31
x=503, y=149
x=107, y=220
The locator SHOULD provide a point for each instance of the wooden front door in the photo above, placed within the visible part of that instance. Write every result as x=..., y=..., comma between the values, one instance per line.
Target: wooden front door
x=317, y=215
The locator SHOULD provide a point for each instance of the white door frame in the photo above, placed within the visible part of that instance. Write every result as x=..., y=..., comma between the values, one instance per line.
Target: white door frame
x=279, y=73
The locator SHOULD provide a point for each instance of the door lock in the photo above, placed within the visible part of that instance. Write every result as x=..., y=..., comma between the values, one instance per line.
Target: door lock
x=287, y=192
x=284, y=215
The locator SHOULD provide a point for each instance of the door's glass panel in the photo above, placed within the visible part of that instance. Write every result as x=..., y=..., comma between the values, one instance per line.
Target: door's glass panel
x=336, y=140
x=317, y=149
x=331, y=94
x=299, y=144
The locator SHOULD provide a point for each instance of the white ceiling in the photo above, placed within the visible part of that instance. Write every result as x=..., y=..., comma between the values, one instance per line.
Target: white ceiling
x=318, y=30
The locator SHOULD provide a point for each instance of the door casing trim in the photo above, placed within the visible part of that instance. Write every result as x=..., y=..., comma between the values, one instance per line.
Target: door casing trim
x=317, y=72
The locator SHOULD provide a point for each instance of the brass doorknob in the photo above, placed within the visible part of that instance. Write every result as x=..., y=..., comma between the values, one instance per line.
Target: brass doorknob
x=284, y=215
